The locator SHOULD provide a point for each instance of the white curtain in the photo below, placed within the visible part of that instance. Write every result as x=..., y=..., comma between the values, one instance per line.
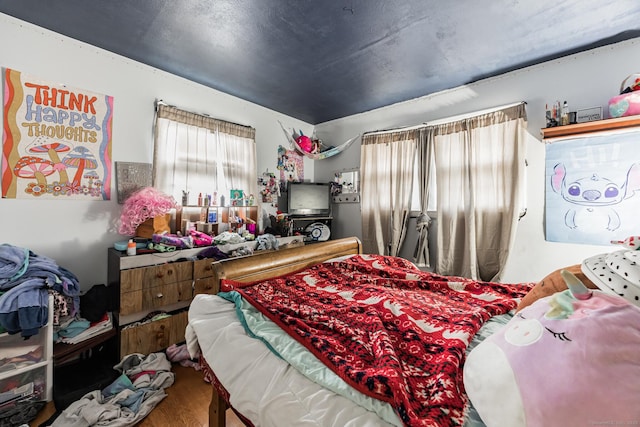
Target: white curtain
x=480, y=165
x=199, y=154
x=387, y=164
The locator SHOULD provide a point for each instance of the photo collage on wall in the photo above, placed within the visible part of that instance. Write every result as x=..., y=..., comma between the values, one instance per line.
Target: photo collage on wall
x=290, y=164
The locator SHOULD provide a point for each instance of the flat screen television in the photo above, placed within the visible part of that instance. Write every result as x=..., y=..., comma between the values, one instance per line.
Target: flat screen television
x=309, y=199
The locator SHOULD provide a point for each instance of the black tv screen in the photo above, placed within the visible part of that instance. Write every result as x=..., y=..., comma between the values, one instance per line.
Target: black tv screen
x=309, y=199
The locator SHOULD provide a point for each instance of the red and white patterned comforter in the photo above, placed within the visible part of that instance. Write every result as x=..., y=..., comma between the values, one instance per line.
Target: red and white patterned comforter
x=388, y=329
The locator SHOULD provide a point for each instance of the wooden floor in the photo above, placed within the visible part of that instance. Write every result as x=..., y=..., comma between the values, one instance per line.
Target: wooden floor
x=186, y=404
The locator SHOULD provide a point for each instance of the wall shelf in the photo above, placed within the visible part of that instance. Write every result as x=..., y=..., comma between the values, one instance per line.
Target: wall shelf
x=227, y=218
x=64, y=353
x=589, y=127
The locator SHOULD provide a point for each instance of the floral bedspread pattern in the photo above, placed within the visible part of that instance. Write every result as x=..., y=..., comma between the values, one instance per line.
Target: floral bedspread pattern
x=388, y=329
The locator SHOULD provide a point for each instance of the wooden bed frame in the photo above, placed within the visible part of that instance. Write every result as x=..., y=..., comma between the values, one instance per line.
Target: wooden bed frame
x=272, y=264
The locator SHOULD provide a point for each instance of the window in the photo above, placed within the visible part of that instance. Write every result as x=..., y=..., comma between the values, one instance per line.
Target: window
x=201, y=155
x=478, y=161
x=433, y=191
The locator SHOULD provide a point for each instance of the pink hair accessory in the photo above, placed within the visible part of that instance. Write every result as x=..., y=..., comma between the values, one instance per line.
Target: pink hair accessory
x=142, y=205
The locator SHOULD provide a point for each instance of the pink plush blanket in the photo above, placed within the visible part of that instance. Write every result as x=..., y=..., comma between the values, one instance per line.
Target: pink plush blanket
x=563, y=361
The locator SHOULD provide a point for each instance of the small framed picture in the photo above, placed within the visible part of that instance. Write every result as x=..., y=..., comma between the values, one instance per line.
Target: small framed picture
x=589, y=114
x=236, y=195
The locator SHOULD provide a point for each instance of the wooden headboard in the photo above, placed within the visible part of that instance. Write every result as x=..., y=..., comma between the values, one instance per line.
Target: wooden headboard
x=269, y=264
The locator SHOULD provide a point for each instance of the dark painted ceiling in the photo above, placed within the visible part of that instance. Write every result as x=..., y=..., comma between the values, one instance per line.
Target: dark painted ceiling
x=319, y=60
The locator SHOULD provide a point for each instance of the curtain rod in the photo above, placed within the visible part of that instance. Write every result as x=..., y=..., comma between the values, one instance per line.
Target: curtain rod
x=400, y=129
x=161, y=102
x=445, y=120
x=473, y=114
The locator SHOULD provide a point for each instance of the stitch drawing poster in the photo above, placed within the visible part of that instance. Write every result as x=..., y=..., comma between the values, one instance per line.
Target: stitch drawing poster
x=56, y=142
x=593, y=188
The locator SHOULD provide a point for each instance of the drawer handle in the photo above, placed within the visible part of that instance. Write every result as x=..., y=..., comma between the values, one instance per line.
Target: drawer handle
x=208, y=268
x=159, y=295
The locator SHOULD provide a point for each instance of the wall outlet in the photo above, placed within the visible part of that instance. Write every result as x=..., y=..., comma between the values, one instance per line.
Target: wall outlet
x=347, y=198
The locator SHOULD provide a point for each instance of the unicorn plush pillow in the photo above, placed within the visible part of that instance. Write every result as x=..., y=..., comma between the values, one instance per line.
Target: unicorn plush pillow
x=569, y=359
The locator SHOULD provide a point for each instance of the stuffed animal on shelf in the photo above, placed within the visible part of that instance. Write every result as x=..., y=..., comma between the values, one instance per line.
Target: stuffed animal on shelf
x=628, y=102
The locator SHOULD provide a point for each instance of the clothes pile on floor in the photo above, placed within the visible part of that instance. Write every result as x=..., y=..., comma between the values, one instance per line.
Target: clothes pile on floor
x=26, y=279
x=127, y=400
x=180, y=354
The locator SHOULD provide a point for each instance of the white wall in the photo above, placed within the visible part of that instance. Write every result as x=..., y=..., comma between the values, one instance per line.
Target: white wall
x=584, y=80
x=77, y=233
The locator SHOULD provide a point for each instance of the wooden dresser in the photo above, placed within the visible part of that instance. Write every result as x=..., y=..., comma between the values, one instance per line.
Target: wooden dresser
x=160, y=283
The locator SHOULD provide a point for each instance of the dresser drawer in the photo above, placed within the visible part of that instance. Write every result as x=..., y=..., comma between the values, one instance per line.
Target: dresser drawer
x=155, y=297
x=202, y=268
x=205, y=286
x=203, y=282
x=17, y=352
x=25, y=384
x=136, y=279
x=153, y=336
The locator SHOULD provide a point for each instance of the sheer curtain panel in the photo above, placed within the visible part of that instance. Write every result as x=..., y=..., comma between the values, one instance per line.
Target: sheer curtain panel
x=480, y=166
x=200, y=154
x=386, y=165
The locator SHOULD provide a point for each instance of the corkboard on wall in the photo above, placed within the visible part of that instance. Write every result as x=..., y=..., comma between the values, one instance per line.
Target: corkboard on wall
x=131, y=177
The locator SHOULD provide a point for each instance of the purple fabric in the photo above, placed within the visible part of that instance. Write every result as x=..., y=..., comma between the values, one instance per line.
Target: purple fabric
x=212, y=252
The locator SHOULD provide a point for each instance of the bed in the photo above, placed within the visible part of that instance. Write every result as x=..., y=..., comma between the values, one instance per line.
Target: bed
x=412, y=374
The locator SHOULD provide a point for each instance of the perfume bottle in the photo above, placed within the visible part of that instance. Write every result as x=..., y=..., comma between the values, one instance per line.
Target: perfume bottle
x=564, y=117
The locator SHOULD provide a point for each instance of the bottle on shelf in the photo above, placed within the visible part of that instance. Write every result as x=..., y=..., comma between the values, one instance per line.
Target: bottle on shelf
x=564, y=117
x=131, y=247
x=212, y=216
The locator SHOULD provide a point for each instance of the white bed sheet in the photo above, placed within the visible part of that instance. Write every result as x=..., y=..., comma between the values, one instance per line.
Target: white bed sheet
x=263, y=387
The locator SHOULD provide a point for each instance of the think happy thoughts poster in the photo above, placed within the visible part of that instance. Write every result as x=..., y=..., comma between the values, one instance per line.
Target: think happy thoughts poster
x=56, y=141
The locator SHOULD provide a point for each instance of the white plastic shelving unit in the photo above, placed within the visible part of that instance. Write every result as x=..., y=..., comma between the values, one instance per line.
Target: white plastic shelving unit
x=35, y=376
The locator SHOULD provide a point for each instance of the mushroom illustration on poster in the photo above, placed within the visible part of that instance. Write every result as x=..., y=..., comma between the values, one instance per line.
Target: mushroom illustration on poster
x=593, y=188
x=56, y=141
